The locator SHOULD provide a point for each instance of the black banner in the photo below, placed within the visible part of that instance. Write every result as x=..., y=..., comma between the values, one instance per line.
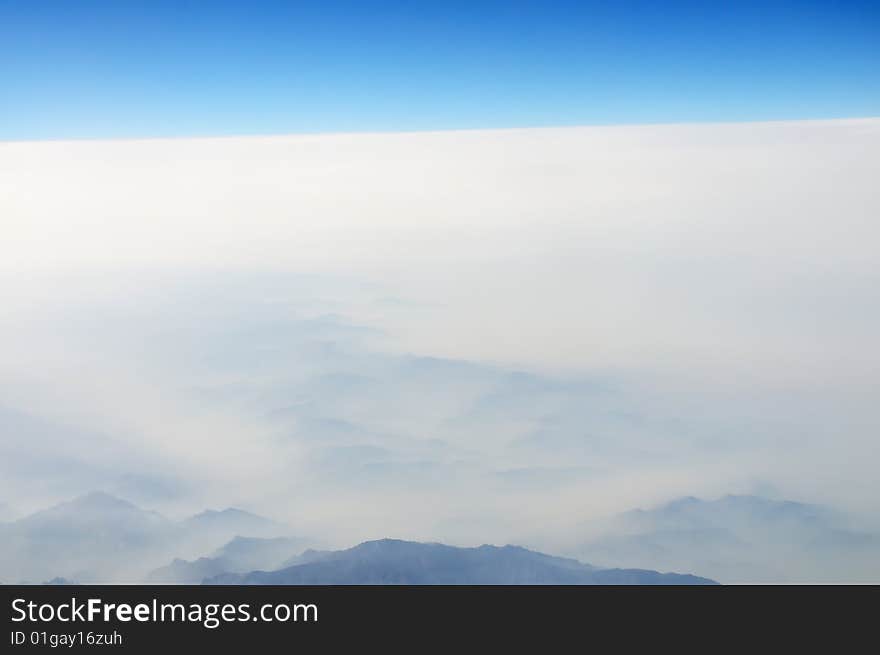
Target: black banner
x=180, y=618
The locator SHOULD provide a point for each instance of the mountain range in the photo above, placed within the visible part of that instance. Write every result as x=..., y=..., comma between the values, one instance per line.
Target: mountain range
x=98, y=538
x=396, y=562
x=740, y=539
x=240, y=555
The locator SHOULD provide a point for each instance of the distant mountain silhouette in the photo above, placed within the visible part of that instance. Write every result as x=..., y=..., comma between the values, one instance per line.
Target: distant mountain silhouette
x=235, y=520
x=100, y=538
x=741, y=539
x=59, y=581
x=240, y=555
x=95, y=537
x=391, y=561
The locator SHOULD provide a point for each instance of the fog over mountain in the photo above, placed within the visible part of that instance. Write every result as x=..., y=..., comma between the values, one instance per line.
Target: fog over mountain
x=740, y=539
x=500, y=337
x=98, y=538
x=241, y=555
x=6, y=513
x=101, y=538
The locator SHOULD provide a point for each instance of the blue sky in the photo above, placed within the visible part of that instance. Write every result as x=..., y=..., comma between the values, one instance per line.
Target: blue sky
x=175, y=68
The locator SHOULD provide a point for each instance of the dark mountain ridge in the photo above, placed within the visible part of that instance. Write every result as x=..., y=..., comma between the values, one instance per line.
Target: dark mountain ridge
x=396, y=562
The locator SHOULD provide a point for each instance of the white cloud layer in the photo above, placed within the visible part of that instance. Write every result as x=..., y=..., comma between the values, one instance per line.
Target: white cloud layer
x=691, y=309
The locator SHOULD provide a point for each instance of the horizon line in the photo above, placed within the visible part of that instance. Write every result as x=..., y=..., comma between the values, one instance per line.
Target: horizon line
x=432, y=131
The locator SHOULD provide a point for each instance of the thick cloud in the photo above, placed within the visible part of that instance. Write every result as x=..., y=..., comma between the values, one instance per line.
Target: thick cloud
x=464, y=336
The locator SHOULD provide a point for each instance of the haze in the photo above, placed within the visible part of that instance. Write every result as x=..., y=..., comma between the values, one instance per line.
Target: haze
x=488, y=336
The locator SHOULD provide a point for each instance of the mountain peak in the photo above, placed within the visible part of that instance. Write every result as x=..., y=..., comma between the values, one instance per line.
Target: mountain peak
x=233, y=522
x=227, y=513
x=101, y=500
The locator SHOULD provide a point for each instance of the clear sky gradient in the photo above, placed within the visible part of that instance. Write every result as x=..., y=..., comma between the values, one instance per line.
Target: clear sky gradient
x=97, y=69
